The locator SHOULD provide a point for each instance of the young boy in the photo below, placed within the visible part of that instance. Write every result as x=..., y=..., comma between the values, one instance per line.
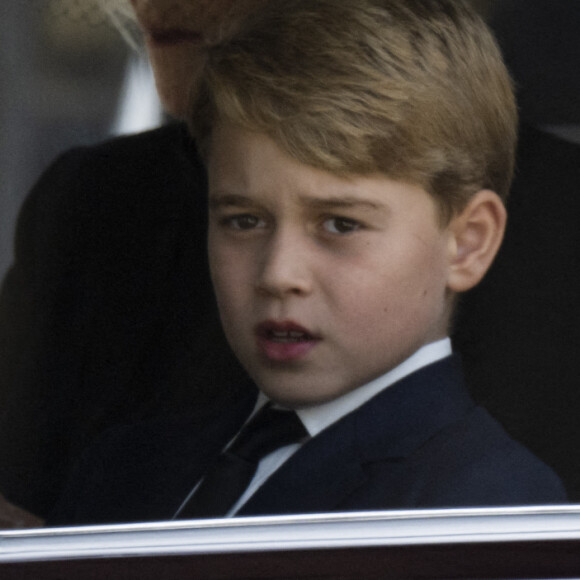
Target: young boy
x=358, y=152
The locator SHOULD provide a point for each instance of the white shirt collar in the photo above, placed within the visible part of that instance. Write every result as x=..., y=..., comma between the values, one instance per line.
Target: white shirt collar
x=319, y=417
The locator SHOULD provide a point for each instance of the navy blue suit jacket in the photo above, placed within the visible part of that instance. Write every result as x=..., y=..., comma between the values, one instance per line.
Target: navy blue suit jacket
x=421, y=443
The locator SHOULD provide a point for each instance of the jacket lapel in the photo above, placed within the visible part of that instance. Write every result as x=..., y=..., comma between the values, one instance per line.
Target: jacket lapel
x=391, y=426
x=315, y=479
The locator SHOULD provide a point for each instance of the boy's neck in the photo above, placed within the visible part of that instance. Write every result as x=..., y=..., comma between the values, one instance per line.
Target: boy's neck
x=318, y=417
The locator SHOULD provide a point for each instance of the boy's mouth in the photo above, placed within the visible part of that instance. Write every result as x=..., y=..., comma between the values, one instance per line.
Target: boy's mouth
x=284, y=341
x=287, y=336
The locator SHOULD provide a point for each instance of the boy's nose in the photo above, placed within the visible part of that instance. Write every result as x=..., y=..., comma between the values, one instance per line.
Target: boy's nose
x=284, y=268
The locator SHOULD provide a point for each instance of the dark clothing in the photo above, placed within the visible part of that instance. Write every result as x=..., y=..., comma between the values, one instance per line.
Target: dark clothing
x=519, y=330
x=421, y=443
x=107, y=313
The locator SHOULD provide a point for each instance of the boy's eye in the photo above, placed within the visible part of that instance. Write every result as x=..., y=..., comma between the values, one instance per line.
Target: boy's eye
x=242, y=222
x=341, y=225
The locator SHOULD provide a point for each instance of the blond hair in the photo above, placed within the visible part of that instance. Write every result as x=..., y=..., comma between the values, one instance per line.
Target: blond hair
x=414, y=89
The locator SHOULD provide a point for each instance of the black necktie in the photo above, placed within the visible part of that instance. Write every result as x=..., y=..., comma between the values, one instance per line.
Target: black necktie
x=225, y=482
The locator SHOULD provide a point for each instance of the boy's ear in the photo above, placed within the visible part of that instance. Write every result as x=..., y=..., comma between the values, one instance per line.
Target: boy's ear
x=477, y=233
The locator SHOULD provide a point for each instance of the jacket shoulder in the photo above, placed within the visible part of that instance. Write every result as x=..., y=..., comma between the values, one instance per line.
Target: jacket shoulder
x=472, y=463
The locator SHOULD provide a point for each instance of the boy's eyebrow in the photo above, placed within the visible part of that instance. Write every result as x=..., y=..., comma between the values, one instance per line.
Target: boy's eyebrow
x=339, y=202
x=224, y=199
x=218, y=200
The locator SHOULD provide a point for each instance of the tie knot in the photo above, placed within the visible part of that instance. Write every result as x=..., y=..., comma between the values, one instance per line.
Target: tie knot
x=268, y=430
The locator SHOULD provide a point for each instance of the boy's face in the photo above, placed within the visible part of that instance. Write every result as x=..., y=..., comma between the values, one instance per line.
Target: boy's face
x=323, y=283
